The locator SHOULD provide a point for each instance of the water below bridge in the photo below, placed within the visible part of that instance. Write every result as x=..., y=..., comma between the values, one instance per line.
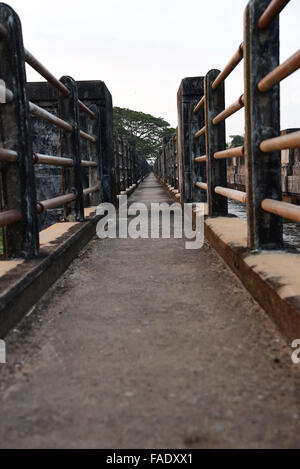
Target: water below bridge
x=144, y=344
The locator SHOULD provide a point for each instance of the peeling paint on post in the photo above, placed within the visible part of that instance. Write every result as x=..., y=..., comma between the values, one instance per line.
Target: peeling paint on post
x=215, y=141
x=21, y=239
x=262, y=119
x=70, y=148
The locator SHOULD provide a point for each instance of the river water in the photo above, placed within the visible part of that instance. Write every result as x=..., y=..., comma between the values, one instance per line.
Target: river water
x=291, y=231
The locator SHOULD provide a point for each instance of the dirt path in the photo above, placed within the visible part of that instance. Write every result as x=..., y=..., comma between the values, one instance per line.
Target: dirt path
x=143, y=344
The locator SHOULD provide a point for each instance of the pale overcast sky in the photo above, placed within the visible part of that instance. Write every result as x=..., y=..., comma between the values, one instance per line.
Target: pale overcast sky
x=143, y=48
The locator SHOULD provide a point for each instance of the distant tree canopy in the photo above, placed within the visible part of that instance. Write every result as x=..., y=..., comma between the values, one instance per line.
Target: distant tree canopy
x=145, y=129
x=236, y=141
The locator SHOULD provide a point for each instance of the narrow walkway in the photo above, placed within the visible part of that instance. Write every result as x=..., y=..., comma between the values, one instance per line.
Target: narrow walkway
x=143, y=344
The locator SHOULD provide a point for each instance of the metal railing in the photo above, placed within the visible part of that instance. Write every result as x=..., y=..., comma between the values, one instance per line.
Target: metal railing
x=263, y=142
x=167, y=165
x=130, y=166
x=79, y=162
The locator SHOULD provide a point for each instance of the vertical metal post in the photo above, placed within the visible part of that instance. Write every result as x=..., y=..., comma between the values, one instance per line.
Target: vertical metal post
x=21, y=239
x=215, y=141
x=262, y=119
x=70, y=148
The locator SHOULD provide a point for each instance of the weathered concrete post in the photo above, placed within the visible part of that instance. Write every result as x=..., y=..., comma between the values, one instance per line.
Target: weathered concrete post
x=189, y=94
x=117, y=162
x=20, y=239
x=215, y=141
x=96, y=92
x=133, y=162
x=140, y=164
x=126, y=164
x=95, y=173
x=262, y=118
x=123, y=167
x=70, y=148
x=165, y=174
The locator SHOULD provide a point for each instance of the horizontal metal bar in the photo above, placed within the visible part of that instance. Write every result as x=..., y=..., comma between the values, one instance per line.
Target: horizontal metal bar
x=9, y=217
x=38, y=158
x=200, y=132
x=200, y=159
x=56, y=202
x=9, y=96
x=280, y=73
x=237, y=152
x=88, y=137
x=201, y=185
x=89, y=164
x=48, y=117
x=238, y=56
x=8, y=156
x=85, y=109
x=232, y=109
x=42, y=70
x=231, y=194
x=275, y=7
x=199, y=105
x=90, y=190
x=282, y=209
x=283, y=142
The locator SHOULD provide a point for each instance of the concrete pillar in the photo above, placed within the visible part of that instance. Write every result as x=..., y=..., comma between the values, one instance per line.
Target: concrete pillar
x=215, y=141
x=70, y=148
x=190, y=92
x=262, y=116
x=19, y=193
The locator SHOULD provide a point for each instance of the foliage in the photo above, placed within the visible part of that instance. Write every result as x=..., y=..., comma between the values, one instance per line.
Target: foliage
x=236, y=141
x=145, y=129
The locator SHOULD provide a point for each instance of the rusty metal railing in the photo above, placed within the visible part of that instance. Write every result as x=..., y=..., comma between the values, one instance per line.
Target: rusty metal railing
x=19, y=214
x=203, y=163
x=87, y=175
x=167, y=166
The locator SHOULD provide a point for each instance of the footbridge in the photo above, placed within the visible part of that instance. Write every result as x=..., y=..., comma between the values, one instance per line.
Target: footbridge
x=136, y=341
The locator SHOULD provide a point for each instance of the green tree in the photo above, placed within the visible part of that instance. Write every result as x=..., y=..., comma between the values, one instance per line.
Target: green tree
x=145, y=129
x=236, y=141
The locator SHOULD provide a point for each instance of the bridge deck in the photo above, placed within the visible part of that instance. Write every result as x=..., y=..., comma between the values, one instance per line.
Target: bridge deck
x=145, y=344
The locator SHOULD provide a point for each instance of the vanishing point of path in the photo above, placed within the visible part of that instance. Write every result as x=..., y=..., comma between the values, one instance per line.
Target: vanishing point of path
x=143, y=344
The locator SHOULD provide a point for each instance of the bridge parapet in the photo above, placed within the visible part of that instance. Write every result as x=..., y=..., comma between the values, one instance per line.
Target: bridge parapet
x=59, y=156
x=202, y=154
